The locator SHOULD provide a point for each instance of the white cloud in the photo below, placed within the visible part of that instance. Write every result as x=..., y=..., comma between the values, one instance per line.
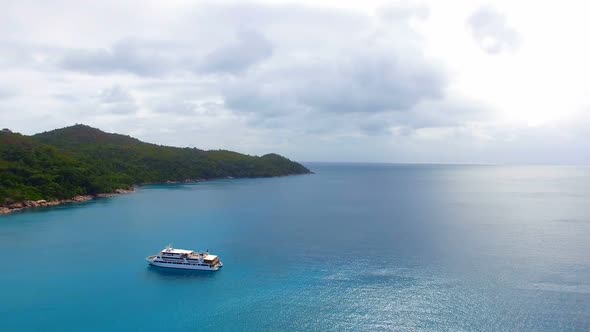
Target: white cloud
x=491, y=31
x=115, y=94
x=315, y=80
x=125, y=56
x=117, y=100
x=250, y=48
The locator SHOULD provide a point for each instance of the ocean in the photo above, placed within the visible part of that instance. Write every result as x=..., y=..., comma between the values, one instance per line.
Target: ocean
x=354, y=247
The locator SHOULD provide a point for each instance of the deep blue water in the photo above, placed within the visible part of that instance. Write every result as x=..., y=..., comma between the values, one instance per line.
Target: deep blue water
x=352, y=247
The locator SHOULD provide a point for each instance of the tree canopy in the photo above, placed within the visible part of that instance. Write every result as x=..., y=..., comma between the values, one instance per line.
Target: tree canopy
x=81, y=160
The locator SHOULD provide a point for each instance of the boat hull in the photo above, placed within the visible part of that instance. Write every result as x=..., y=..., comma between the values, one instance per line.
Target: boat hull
x=154, y=262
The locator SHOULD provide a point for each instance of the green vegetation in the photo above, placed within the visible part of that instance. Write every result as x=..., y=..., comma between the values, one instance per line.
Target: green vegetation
x=81, y=160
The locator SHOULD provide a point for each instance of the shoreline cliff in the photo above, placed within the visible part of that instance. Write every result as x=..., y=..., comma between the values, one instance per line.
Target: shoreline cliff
x=28, y=204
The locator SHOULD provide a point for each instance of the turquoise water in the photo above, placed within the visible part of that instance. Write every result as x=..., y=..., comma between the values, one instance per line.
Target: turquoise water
x=352, y=247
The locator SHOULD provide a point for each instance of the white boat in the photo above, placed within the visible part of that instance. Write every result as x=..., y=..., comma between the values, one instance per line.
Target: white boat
x=185, y=259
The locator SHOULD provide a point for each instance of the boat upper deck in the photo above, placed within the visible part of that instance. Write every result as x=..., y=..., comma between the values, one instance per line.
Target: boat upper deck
x=170, y=252
x=176, y=251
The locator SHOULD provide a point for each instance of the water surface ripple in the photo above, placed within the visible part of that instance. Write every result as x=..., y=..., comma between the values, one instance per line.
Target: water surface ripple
x=352, y=247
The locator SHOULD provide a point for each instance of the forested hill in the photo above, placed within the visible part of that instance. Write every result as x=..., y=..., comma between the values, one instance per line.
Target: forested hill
x=81, y=160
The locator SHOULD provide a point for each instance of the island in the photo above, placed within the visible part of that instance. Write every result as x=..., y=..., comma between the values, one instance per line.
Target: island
x=79, y=163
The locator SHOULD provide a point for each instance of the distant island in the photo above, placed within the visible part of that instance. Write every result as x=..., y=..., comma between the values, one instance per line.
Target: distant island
x=78, y=163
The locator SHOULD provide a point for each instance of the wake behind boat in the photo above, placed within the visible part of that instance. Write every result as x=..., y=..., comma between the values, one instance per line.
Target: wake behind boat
x=185, y=259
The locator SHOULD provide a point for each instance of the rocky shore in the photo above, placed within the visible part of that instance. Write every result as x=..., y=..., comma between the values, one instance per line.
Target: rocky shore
x=17, y=206
x=184, y=181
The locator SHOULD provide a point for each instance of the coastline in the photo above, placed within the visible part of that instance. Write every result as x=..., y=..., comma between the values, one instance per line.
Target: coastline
x=19, y=206
x=22, y=205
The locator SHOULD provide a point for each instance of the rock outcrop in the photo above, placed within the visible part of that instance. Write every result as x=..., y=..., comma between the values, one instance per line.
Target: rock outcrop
x=17, y=206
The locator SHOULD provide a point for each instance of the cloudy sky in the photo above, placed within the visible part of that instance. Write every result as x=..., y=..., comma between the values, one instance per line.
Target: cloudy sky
x=401, y=81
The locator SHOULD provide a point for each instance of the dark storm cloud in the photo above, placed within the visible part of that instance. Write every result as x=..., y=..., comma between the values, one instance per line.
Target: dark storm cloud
x=491, y=31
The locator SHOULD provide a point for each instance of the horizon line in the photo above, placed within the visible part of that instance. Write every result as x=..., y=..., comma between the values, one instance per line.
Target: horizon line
x=440, y=163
